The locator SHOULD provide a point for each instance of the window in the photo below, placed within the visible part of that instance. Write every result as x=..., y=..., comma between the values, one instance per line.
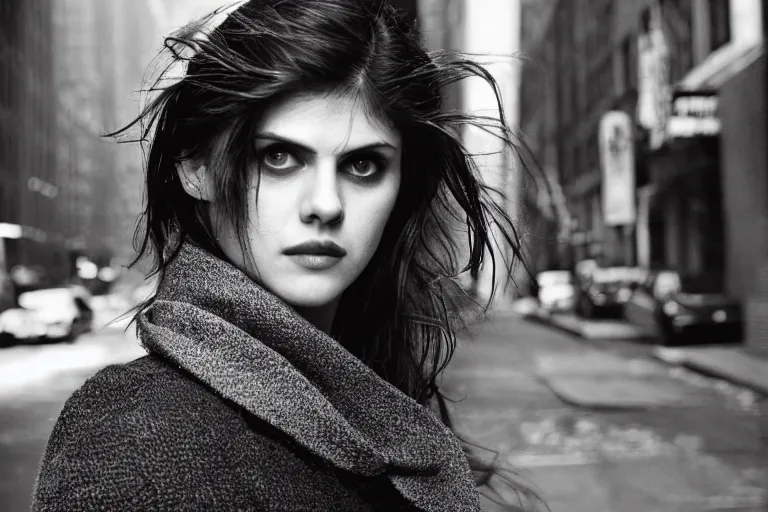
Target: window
x=5, y=81
x=578, y=160
x=628, y=64
x=719, y=23
x=565, y=97
x=606, y=74
x=593, y=154
x=678, y=27
x=574, y=95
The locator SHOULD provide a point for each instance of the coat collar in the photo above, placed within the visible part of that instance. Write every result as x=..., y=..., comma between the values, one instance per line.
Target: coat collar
x=212, y=320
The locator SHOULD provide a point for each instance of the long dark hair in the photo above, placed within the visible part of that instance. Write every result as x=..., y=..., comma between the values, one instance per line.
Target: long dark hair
x=219, y=80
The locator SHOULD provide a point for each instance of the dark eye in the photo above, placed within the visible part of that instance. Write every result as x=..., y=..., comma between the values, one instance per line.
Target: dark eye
x=279, y=159
x=363, y=167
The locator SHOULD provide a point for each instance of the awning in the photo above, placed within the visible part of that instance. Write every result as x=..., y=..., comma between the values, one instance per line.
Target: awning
x=721, y=67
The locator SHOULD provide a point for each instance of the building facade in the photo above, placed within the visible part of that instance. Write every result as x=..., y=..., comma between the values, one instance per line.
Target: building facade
x=545, y=218
x=138, y=27
x=491, y=28
x=690, y=74
x=29, y=192
x=85, y=59
x=65, y=190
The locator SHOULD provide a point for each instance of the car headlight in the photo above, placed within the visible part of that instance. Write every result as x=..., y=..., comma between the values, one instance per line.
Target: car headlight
x=623, y=295
x=12, y=319
x=672, y=308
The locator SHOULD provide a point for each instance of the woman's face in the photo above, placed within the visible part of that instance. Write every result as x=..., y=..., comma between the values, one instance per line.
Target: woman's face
x=328, y=182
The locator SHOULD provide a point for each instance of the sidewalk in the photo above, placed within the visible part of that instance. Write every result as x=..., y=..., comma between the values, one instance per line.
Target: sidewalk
x=593, y=329
x=596, y=379
x=731, y=363
x=599, y=431
x=734, y=364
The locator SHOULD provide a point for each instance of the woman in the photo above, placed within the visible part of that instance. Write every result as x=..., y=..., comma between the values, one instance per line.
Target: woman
x=302, y=184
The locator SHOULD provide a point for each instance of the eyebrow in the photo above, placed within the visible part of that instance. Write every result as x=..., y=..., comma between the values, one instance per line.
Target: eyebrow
x=307, y=149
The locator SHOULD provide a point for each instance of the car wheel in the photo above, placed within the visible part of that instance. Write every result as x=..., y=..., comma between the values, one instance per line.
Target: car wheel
x=667, y=335
x=70, y=337
x=6, y=340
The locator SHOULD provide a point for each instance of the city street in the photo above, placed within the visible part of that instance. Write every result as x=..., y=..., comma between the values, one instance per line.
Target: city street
x=707, y=454
x=35, y=381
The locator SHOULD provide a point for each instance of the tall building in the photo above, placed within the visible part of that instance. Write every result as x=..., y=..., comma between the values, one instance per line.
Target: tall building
x=545, y=218
x=64, y=188
x=690, y=74
x=84, y=58
x=661, y=63
x=484, y=27
x=29, y=187
x=104, y=49
x=139, y=28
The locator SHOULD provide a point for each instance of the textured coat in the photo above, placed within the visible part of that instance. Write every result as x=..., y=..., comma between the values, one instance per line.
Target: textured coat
x=243, y=405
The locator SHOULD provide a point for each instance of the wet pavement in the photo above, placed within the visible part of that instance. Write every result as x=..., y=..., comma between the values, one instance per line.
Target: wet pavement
x=708, y=454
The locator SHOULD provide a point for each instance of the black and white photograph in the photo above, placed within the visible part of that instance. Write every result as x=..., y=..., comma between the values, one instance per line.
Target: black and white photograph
x=384, y=255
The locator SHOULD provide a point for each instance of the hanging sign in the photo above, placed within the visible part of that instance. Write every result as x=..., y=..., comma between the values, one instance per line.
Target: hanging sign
x=617, y=162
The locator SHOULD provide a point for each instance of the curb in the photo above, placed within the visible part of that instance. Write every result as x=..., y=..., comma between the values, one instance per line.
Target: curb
x=682, y=361
x=739, y=381
x=541, y=320
x=733, y=378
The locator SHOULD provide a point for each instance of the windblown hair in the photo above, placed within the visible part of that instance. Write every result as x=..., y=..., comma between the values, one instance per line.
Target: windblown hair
x=405, y=304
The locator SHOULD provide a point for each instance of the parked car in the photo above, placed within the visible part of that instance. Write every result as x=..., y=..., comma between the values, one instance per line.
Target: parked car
x=555, y=290
x=603, y=291
x=48, y=314
x=584, y=268
x=681, y=310
x=7, y=291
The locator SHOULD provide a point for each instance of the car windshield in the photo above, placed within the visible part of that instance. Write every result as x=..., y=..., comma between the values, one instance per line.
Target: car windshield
x=672, y=283
x=700, y=285
x=45, y=299
x=618, y=275
x=554, y=278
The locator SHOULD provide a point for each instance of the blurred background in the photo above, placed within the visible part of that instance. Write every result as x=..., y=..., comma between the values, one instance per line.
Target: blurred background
x=626, y=372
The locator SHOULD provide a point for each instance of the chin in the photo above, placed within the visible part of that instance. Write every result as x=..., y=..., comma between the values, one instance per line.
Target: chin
x=310, y=296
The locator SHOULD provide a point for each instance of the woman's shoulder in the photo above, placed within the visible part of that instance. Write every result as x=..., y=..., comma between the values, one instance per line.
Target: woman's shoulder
x=122, y=390
x=147, y=436
x=147, y=400
x=122, y=437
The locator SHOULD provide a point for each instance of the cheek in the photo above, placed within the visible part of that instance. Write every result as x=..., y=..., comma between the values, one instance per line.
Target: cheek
x=269, y=212
x=371, y=214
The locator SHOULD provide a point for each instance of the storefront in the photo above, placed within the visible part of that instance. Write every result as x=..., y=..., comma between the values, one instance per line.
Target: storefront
x=685, y=225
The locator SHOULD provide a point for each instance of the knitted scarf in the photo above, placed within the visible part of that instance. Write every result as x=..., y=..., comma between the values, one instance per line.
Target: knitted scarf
x=249, y=347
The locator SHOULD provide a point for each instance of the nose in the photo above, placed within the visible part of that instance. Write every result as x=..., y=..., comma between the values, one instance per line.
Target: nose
x=322, y=200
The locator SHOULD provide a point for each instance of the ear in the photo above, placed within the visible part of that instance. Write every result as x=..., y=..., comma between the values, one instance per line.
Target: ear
x=195, y=179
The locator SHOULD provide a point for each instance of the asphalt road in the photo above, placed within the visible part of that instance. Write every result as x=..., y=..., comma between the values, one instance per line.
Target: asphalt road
x=35, y=381
x=711, y=455
x=707, y=457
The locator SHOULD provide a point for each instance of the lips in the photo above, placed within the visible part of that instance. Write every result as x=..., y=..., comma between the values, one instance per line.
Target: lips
x=316, y=248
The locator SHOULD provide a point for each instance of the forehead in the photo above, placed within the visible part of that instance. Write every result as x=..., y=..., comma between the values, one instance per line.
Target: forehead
x=327, y=123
